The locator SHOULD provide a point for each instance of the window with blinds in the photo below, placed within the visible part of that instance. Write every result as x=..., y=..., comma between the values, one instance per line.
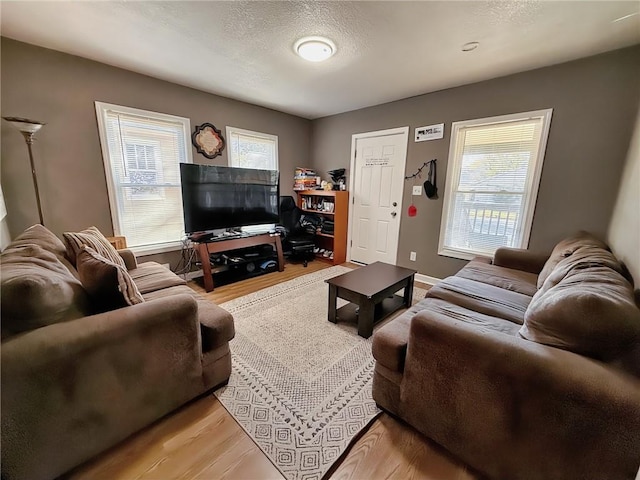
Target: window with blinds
x=493, y=175
x=247, y=149
x=142, y=152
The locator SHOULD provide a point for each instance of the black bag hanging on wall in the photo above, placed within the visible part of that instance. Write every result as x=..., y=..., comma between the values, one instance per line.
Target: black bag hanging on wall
x=430, y=185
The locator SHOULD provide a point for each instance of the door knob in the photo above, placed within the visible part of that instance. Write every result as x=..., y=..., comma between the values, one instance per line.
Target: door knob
x=393, y=214
x=395, y=204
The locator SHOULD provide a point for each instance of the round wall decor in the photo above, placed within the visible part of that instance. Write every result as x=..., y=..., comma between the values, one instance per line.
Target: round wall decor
x=208, y=140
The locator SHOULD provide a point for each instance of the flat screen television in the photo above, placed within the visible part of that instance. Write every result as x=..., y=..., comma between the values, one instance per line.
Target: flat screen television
x=215, y=197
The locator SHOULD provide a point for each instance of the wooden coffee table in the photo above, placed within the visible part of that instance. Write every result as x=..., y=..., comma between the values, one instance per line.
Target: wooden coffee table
x=371, y=289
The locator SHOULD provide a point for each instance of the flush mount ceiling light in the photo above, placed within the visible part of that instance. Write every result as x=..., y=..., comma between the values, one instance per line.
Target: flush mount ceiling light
x=315, y=49
x=467, y=47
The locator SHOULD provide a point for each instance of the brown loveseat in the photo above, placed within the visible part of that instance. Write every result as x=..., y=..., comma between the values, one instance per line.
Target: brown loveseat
x=524, y=366
x=75, y=382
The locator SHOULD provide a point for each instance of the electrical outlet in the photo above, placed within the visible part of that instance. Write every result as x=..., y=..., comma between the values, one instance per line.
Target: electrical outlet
x=417, y=190
x=412, y=256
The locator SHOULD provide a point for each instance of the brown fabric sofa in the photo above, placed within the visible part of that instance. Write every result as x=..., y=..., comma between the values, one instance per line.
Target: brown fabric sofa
x=524, y=366
x=75, y=382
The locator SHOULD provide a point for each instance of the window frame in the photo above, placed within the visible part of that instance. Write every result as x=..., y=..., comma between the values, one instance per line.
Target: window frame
x=102, y=109
x=454, y=168
x=266, y=136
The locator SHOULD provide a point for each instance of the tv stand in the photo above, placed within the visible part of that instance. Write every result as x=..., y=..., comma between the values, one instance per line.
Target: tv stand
x=208, y=246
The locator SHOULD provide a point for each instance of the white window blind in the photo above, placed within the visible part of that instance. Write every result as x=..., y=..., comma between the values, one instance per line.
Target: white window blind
x=142, y=152
x=249, y=149
x=492, y=183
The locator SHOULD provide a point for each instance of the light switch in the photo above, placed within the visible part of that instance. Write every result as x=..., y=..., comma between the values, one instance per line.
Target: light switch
x=417, y=190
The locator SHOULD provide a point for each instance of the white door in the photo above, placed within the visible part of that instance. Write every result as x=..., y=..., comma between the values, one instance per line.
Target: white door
x=377, y=164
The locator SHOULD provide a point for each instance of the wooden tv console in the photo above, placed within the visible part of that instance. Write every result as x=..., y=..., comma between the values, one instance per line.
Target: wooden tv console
x=205, y=248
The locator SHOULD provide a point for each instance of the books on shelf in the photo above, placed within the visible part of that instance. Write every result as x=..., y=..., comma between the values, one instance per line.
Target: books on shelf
x=304, y=179
x=318, y=204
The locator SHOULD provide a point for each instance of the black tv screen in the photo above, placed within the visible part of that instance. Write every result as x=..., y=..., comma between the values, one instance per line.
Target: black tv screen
x=215, y=197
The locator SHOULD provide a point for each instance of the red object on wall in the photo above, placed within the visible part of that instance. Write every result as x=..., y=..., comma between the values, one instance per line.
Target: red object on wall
x=412, y=211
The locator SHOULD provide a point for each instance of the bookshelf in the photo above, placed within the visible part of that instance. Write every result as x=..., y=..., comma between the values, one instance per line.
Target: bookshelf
x=331, y=205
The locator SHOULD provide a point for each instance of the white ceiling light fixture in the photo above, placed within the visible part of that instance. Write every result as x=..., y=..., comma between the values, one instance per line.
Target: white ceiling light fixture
x=315, y=49
x=467, y=47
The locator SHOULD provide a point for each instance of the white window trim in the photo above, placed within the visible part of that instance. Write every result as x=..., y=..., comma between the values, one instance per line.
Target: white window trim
x=154, y=249
x=231, y=130
x=532, y=186
x=101, y=109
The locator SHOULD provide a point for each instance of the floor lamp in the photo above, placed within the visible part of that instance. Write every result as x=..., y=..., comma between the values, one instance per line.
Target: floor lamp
x=28, y=128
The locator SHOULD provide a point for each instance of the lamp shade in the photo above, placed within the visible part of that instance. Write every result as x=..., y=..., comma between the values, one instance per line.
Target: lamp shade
x=24, y=124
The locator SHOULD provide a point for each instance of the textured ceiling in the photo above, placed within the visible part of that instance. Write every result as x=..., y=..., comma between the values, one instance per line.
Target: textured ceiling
x=386, y=50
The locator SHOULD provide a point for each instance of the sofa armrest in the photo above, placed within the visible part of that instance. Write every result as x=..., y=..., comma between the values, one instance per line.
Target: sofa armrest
x=129, y=258
x=520, y=259
x=517, y=409
x=67, y=340
x=72, y=389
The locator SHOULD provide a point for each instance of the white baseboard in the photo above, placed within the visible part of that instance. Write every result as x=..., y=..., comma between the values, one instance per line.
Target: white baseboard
x=427, y=279
x=192, y=275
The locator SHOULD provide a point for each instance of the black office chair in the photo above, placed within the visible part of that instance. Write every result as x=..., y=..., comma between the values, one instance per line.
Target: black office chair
x=297, y=241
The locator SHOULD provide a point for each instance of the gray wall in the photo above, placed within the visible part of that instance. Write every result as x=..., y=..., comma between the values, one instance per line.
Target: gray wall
x=594, y=103
x=61, y=89
x=624, y=230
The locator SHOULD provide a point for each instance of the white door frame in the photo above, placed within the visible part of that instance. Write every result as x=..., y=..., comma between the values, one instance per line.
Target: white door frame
x=352, y=177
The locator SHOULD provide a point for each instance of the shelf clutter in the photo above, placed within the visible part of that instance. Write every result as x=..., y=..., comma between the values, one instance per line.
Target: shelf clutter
x=234, y=265
x=318, y=204
x=329, y=212
x=321, y=252
x=305, y=179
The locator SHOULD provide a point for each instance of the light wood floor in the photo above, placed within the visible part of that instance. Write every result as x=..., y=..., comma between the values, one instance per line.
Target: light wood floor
x=201, y=440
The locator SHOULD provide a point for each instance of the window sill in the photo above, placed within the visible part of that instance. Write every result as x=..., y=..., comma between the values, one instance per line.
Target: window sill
x=154, y=249
x=462, y=255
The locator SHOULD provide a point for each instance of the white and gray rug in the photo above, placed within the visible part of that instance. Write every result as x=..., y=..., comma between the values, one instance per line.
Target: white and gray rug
x=300, y=386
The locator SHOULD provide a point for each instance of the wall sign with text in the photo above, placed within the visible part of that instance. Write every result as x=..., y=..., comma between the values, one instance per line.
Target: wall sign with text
x=371, y=161
x=430, y=132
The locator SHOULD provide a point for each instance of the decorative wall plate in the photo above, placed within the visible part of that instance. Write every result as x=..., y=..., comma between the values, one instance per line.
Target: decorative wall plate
x=208, y=140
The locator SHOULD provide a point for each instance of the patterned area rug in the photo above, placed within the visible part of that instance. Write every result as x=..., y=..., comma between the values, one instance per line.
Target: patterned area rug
x=300, y=386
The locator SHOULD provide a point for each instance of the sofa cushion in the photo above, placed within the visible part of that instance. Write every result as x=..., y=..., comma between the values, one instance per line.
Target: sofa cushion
x=583, y=258
x=41, y=236
x=37, y=289
x=390, y=341
x=93, y=238
x=109, y=285
x=565, y=248
x=481, y=297
x=507, y=278
x=151, y=276
x=590, y=311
